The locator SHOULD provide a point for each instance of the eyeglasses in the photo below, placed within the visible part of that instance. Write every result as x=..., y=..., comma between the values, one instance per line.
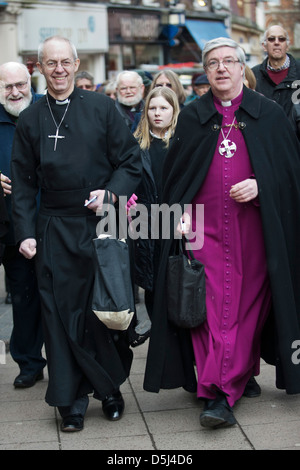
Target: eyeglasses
x=123, y=89
x=85, y=87
x=53, y=64
x=215, y=64
x=20, y=86
x=279, y=38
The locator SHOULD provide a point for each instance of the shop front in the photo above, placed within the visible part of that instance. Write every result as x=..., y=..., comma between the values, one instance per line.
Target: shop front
x=134, y=39
x=84, y=24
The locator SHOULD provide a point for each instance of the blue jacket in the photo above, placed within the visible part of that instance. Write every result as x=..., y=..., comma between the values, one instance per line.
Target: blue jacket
x=7, y=132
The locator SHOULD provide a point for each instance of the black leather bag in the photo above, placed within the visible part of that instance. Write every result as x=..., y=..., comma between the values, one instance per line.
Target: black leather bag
x=186, y=292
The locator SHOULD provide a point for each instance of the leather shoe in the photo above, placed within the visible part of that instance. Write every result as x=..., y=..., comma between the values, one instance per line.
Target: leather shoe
x=113, y=406
x=72, y=423
x=140, y=339
x=26, y=381
x=252, y=389
x=217, y=413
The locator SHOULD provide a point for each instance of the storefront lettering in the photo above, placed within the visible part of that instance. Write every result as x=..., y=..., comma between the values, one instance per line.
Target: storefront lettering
x=54, y=31
x=139, y=27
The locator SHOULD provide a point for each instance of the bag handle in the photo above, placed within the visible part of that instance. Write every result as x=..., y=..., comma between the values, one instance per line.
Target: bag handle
x=185, y=242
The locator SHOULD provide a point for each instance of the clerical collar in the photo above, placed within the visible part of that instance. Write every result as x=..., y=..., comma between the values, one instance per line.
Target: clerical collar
x=283, y=67
x=227, y=103
x=61, y=102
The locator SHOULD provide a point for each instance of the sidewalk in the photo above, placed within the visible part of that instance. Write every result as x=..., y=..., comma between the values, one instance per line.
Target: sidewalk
x=168, y=421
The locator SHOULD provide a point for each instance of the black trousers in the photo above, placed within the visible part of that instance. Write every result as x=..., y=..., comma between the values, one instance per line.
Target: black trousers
x=26, y=340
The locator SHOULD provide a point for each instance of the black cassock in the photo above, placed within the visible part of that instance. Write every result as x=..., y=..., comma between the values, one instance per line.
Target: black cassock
x=95, y=150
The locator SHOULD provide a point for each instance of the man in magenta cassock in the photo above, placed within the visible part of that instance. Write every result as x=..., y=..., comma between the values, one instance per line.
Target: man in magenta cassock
x=235, y=152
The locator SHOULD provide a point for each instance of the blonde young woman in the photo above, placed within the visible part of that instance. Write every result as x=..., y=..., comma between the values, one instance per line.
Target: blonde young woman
x=154, y=134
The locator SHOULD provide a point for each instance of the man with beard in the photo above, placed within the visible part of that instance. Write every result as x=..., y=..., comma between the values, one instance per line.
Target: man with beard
x=278, y=72
x=26, y=340
x=130, y=93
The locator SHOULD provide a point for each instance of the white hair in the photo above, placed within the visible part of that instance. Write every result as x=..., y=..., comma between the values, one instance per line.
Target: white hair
x=14, y=66
x=129, y=73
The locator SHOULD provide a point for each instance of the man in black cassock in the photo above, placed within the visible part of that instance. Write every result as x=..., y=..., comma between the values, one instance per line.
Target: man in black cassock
x=72, y=145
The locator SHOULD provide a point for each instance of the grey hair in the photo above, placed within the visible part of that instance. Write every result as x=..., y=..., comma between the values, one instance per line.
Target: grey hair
x=264, y=38
x=220, y=42
x=84, y=74
x=57, y=38
x=129, y=72
x=14, y=65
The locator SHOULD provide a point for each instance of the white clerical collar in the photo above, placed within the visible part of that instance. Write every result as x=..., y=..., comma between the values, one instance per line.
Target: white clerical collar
x=66, y=101
x=225, y=104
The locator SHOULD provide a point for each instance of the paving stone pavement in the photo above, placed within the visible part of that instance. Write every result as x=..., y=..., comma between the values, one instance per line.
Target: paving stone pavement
x=166, y=423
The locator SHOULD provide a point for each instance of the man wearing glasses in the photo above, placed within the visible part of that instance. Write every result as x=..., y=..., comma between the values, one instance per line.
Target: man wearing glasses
x=85, y=81
x=130, y=94
x=26, y=340
x=72, y=144
x=235, y=154
x=278, y=72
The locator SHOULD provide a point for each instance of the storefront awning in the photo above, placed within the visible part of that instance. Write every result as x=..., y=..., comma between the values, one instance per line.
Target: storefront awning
x=203, y=31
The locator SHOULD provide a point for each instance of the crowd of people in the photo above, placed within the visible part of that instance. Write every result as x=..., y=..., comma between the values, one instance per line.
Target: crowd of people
x=231, y=146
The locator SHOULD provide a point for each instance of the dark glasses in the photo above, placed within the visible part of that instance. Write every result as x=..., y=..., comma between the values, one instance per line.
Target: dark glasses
x=279, y=38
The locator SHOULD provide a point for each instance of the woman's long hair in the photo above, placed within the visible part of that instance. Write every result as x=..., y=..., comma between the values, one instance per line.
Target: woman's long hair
x=176, y=85
x=142, y=133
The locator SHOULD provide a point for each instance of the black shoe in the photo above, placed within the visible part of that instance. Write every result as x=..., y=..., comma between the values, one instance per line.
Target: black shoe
x=72, y=423
x=113, y=406
x=26, y=381
x=140, y=339
x=217, y=413
x=8, y=300
x=252, y=389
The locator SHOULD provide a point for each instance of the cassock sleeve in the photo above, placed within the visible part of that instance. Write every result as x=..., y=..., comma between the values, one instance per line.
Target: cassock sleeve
x=124, y=155
x=24, y=183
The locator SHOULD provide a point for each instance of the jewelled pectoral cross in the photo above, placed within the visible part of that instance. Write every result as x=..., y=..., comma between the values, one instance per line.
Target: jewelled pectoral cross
x=56, y=136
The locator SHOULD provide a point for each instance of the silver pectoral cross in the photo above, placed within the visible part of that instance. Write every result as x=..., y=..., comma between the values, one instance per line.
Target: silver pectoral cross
x=56, y=136
x=227, y=148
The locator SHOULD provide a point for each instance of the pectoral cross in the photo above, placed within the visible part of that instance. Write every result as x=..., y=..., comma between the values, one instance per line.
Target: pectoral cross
x=56, y=136
x=227, y=148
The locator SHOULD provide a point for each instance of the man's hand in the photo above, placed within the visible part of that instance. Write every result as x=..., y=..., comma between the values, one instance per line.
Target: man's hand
x=28, y=248
x=244, y=191
x=6, y=184
x=98, y=203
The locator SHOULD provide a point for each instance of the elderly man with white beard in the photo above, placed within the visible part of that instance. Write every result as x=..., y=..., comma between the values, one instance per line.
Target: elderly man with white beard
x=130, y=94
x=26, y=339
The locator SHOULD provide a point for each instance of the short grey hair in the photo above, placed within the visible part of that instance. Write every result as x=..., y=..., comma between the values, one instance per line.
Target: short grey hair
x=132, y=73
x=84, y=74
x=56, y=38
x=220, y=42
x=264, y=38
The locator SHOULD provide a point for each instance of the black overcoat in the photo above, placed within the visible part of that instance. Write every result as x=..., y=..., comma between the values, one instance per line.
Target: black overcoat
x=97, y=151
x=275, y=157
